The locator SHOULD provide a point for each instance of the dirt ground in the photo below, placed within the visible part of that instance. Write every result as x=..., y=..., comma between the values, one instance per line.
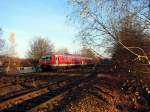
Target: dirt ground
x=108, y=93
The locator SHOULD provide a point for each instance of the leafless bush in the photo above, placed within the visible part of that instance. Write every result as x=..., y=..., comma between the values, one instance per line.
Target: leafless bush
x=132, y=36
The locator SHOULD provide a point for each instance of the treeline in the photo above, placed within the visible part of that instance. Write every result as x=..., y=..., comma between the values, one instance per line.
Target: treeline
x=38, y=47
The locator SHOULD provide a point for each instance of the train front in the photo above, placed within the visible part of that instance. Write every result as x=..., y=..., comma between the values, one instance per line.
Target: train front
x=45, y=63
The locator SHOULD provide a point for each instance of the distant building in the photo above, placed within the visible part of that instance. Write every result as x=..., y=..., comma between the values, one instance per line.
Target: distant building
x=16, y=65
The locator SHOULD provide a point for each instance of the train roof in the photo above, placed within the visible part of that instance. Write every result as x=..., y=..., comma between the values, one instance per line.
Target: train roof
x=72, y=55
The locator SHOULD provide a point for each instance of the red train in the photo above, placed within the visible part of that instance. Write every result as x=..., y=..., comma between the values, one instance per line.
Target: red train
x=55, y=61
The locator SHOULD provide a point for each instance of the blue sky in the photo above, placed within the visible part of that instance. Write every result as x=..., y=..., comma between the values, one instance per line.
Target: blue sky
x=32, y=18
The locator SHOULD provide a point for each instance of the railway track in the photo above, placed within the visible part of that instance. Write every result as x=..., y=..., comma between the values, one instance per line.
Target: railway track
x=10, y=101
x=32, y=98
x=5, y=85
x=17, y=85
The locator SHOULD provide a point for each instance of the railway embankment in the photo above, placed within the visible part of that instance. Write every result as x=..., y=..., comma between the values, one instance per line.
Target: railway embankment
x=74, y=91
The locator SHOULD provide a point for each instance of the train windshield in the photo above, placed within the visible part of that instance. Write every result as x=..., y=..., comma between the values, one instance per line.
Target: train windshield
x=46, y=58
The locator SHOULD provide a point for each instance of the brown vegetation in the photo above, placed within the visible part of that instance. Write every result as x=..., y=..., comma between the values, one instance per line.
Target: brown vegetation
x=132, y=36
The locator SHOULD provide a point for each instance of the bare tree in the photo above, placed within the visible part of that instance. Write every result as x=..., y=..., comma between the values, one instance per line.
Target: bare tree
x=63, y=51
x=39, y=47
x=101, y=21
x=2, y=42
x=87, y=52
x=12, y=45
x=11, y=54
x=1, y=48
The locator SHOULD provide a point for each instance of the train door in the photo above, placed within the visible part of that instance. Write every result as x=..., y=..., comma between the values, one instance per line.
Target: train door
x=82, y=61
x=57, y=60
